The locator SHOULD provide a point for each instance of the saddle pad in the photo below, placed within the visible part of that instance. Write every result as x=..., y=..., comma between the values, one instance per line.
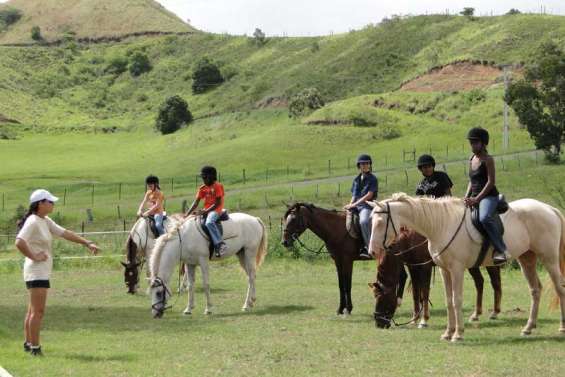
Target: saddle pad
x=352, y=224
x=228, y=229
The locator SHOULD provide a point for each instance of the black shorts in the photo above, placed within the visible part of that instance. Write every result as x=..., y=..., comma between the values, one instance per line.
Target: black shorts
x=38, y=284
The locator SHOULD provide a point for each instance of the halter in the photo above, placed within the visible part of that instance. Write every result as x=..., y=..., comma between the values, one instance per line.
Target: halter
x=296, y=237
x=389, y=223
x=134, y=232
x=158, y=282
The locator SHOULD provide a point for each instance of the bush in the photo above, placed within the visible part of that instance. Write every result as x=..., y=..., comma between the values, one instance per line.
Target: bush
x=36, y=33
x=9, y=16
x=206, y=75
x=513, y=11
x=259, y=37
x=467, y=12
x=173, y=113
x=117, y=65
x=304, y=102
x=139, y=64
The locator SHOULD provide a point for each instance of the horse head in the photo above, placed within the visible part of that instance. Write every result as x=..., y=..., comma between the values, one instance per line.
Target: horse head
x=159, y=295
x=295, y=223
x=131, y=267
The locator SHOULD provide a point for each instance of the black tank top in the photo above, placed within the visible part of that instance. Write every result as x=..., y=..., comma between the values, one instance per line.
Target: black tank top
x=479, y=180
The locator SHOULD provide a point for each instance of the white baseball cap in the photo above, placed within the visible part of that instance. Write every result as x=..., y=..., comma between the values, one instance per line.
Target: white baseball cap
x=41, y=194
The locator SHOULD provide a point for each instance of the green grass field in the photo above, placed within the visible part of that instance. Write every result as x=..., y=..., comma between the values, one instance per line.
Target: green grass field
x=93, y=328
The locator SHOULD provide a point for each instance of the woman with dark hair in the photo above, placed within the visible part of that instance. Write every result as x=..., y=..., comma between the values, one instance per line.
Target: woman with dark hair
x=34, y=240
x=482, y=191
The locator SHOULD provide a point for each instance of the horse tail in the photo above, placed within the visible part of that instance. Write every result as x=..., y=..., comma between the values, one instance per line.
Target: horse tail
x=555, y=302
x=263, y=245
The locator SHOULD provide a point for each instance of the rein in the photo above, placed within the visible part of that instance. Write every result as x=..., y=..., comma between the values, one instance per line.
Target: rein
x=318, y=252
x=391, y=319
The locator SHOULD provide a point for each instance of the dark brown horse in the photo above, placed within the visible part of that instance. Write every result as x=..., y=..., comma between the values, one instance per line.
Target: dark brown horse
x=329, y=226
x=411, y=249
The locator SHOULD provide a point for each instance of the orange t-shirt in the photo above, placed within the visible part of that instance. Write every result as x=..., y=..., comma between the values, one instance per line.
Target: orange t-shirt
x=210, y=194
x=156, y=197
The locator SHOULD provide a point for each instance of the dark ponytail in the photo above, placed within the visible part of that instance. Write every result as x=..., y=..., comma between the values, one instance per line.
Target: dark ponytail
x=33, y=207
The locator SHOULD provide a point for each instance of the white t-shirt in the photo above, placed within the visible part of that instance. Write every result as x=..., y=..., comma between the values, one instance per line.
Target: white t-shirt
x=38, y=233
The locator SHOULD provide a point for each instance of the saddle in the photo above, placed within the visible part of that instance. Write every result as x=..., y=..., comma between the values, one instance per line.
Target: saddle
x=352, y=223
x=152, y=226
x=201, y=224
x=500, y=209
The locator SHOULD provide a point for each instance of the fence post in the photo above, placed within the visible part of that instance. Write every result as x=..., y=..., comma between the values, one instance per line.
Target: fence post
x=536, y=154
x=119, y=191
x=386, y=160
x=317, y=190
x=447, y=151
x=292, y=192
x=329, y=167
x=266, y=201
x=502, y=160
x=270, y=224
x=65, y=196
x=82, y=228
x=406, y=174
x=338, y=189
x=518, y=158
x=244, y=176
x=386, y=181
x=172, y=185
x=92, y=196
x=3, y=202
x=287, y=171
x=119, y=214
x=444, y=168
x=267, y=175
x=124, y=225
x=184, y=206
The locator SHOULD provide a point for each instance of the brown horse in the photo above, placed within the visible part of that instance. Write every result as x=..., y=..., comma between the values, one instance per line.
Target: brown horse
x=329, y=225
x=411, y=249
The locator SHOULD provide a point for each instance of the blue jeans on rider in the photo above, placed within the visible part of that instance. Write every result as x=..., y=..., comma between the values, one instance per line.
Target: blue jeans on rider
x=213, y=228
x=159, y=218
x=487, y=211
x=365, y=223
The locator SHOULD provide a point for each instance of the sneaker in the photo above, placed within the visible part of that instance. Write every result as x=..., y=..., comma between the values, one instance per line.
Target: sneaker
x=27, y=347
x=35, y=351
x=499, y=257
x=221, y=249
x=364, y=254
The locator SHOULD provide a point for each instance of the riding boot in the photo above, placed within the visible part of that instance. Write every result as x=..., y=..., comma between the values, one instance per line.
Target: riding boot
x=27, y=347
x=364, y=254
x=499, y=257
x=35, y=351
x=221, y=249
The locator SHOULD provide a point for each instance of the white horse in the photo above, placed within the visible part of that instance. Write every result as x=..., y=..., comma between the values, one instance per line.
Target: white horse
x=532, y=229
x=244, y=235
x=139, y=244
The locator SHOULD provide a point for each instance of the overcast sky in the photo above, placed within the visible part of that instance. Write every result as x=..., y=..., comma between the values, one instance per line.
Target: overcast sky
x=317, y=17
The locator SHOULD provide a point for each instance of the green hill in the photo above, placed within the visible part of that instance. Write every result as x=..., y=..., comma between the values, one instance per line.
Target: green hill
x=89, y=19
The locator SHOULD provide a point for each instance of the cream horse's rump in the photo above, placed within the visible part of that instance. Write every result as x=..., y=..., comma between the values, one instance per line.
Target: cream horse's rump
x=532, y=229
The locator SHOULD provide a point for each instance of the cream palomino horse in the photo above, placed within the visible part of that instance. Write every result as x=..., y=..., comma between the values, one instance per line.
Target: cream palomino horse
x=186, y=243
x=532, y=229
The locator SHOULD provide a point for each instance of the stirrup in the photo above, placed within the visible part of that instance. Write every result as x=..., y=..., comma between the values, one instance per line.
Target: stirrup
x=499, y=257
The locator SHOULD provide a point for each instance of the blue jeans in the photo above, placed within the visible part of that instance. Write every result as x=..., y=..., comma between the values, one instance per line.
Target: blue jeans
x=365, y=223
x=159, y=218
x=487, y=211
x=213, y=228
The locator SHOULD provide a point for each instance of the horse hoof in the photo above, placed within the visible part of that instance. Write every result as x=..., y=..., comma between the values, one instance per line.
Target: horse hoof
x=456, y=338
x=187, y=312
x=562, y=330
x=422, y=325
x=474, y=318
x=246, y=309
x=493, y=316
x=208, y=312
x=526, y=332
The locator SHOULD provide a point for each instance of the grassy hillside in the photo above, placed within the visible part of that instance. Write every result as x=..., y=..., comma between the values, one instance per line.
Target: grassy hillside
x=86, y=18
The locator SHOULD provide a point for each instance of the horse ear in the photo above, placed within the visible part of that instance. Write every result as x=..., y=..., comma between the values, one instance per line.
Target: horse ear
x=286, y=204
x=123, y=264
x=371, y=285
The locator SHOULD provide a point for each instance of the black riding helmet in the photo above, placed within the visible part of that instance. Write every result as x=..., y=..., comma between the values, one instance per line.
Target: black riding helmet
x=426, y=159
x=364, y=158
x=209, y=171
x=478, y=133
x=152, y=179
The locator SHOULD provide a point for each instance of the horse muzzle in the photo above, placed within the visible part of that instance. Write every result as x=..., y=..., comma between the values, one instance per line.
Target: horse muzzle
x=381, y=321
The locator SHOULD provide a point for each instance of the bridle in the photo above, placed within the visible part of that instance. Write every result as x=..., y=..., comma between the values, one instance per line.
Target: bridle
x=295, y=236
x=159, y=306
x=388, y=317
x=141, y=260
x=389, y=224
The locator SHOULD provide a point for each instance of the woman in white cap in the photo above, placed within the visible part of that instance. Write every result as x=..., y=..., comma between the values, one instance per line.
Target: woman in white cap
x=34, y=240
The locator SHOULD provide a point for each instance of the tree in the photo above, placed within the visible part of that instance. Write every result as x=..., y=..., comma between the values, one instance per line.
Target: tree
x=539, y=100
x=9, y=16
x=139, y=64
x=117, y=65
x=513, y=11
x=205, y=75
x=36, y=33
x=173, y=113
x=304, y=102
x=259, y=37
x=468, y=12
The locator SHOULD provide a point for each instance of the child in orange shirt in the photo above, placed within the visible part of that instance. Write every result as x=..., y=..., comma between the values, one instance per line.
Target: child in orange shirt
x=212, y=192
x=155, y=198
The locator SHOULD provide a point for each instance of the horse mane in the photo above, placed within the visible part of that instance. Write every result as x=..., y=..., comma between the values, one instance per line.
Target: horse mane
x=439, y=213
x=160, y=244
x=306, y=205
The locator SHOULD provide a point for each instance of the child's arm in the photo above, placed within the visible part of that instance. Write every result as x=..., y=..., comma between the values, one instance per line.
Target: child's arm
x=216, y=204
x=193, y=206
x=142, y=205
x=151, y=210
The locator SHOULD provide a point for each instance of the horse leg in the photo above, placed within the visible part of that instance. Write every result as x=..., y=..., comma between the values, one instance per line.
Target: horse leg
x=496, y=283
x=425, y=295
x=416, y=292
x=184, y=277
x=457, y=276
x=528, y=264
x=206, y=283
x=190, y=276
x=446, y=276
x=552, y=267
x=341, y=282
x=479, y=284
x=250, y=270
x=401, y=284
x=348, y=275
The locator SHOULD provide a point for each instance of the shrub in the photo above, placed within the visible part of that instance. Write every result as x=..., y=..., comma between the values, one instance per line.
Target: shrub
x=139, y=64
x=304, y=102
x=259, y=37
x=9, y=16
x=117, y=65
x=173, y=113
x=206, y=75
x=36, y=33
